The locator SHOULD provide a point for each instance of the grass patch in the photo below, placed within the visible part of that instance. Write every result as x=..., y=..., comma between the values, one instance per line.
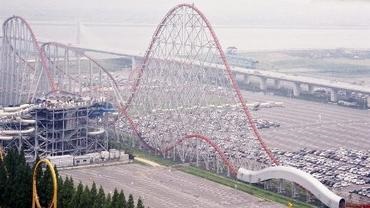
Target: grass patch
x=154, y=158
x=250, y=189
x=141, y=163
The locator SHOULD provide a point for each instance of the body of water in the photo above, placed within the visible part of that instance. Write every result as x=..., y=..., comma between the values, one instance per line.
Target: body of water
x=135, y=39
x=127, y=26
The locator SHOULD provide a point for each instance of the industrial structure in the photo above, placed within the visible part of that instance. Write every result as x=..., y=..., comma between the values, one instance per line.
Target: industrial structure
x=182, y=102
x=49, y=107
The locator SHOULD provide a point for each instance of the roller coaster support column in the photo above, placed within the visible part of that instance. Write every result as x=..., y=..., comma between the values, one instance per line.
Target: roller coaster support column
x=333, y=95
x=35, y=197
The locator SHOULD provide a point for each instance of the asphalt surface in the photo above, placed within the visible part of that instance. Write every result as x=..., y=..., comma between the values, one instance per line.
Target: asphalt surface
x=162, y=187
x=312, y=124
x=304, y=124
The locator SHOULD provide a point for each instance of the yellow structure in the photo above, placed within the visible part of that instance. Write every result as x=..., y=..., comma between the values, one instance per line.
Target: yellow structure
x=1, y=154
x=35, y=197
x=290, y=205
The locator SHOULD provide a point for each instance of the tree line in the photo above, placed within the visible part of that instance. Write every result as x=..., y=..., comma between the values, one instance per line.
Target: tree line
x=16, y=188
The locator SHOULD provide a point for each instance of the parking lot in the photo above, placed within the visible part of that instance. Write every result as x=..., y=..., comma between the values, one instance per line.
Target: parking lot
x=312, y=125
x=330, y=142
x=162, y=187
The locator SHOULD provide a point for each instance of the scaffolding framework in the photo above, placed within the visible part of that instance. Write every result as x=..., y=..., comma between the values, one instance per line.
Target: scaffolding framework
x=49, y=131
x=64, y=90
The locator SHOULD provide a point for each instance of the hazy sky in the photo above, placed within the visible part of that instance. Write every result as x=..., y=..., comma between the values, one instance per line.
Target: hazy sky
x=264, y=24
x=291, y=13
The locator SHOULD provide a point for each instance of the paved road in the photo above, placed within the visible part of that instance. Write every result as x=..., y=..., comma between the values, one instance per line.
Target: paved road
x=313, y=125
x=161, y=187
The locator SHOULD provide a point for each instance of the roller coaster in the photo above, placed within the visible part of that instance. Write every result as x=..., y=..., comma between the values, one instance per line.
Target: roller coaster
x=40, y=113
x=35, y=197
x=179, y=102
x=67, y=69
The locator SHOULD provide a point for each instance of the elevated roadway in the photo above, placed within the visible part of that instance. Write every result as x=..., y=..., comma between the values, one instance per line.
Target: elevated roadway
x=303, y=80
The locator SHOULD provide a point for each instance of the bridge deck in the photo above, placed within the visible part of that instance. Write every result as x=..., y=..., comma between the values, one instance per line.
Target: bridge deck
x=304, y=80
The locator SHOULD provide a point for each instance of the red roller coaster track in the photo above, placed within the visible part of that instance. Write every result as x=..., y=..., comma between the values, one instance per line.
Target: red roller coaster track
x=220, y=152
x=13, y=34
x=227, y=70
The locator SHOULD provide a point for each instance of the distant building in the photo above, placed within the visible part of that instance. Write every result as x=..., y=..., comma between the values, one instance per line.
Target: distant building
x=236, y=59
x=232, y=50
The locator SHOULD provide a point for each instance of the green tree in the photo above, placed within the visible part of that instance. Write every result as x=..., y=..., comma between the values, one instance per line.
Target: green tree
x=68, y=193
x=140, y=203
x=60, y=187
x=23, y=180
x=100, y=198
x=108, y=201
x=93, y=195
x=130, y=202
x=85, y=198
x=60, y=191
x=10, y=189
x=46, y=189
x=115, y=200
x=18, y=186
x=3, y=183
x=76, y=199
x=122, y=199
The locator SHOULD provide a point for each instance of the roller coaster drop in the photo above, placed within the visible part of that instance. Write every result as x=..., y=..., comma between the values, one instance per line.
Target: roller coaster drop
x=172, y=76
x=181, y=80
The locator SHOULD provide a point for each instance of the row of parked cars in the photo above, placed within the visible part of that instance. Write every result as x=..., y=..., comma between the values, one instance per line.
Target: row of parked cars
x=262, y=123
x=365, y=191
x=337, y=168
